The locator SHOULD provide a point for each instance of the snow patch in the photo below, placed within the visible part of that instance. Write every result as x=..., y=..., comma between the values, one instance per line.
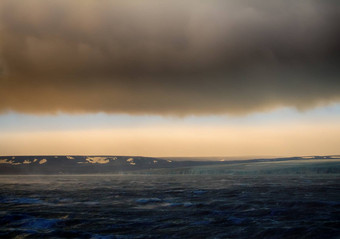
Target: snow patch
x=26, y=162
x=169, y=161
x=35, y=160
x=6, y=161
x=100, y=160
x=130, y=161
x=42, y=161
x=155, y=161
x=69, y=157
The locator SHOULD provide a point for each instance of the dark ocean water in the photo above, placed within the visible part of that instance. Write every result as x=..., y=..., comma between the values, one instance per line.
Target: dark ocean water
x=177, y=206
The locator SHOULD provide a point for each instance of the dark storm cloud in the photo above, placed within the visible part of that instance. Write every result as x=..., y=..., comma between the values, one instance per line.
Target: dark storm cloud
x=168, y=57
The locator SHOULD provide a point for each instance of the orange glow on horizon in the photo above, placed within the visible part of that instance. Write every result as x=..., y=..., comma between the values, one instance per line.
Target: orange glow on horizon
x=158, y=141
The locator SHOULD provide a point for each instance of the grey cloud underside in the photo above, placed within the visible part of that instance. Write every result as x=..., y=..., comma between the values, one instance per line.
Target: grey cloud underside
x=168, y=57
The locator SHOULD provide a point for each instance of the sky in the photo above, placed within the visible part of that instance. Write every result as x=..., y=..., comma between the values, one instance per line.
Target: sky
x=170, y=78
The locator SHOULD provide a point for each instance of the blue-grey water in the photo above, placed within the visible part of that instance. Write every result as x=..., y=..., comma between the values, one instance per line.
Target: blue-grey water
x=170, y=206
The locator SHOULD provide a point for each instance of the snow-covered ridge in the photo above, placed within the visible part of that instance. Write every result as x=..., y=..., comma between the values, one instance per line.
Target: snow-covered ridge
x=72, y=164
x=119, y=164
x=13, y=162
x=72, y=160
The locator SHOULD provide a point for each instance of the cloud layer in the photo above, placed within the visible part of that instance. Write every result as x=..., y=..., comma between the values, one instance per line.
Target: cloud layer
x=168, y=57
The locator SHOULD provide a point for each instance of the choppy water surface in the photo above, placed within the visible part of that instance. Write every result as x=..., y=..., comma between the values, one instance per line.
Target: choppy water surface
x=187, y=206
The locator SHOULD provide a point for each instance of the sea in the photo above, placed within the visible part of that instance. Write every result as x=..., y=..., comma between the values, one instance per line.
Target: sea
x=170, y=206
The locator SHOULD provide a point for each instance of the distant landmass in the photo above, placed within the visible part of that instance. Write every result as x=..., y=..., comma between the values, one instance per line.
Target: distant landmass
x=87, y=164
x=125, y=164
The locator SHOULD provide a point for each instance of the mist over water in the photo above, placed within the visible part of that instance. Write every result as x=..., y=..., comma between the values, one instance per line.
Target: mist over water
x=170, y=206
